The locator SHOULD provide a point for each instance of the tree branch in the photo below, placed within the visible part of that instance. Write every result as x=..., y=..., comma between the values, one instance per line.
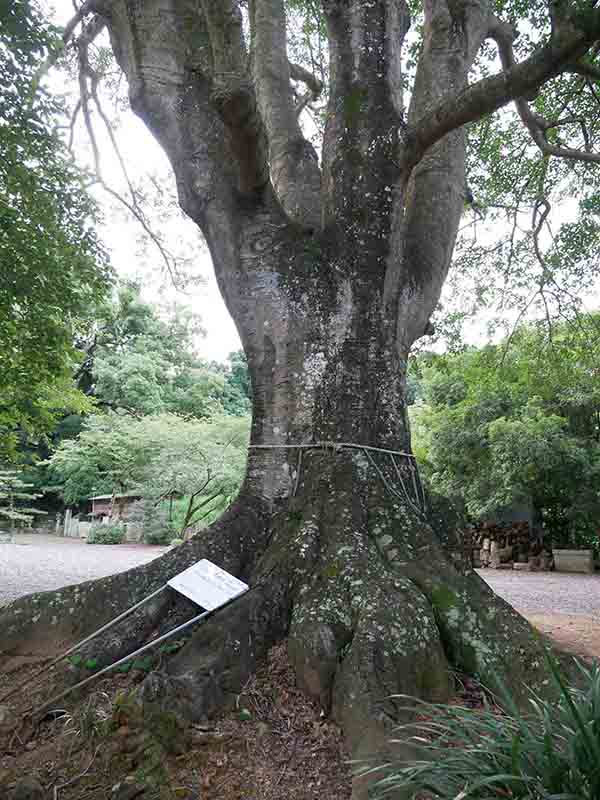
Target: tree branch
x=313, y=84
x=520, y=80
x=584, y=68
x=201, y=505
x=72, y=122
x=86, y=73
x=233, y=93
x=453, y=33
x=298, y=73
x=295, y=172
x=89, y=7
x=167, y=59
x=537, y=125
x=94, y=27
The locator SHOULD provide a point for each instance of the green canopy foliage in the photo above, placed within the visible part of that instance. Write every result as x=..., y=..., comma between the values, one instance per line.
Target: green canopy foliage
x=144, y=362
x=517, y=422
x=138, y=363
x=53, y=269
x=159, y=456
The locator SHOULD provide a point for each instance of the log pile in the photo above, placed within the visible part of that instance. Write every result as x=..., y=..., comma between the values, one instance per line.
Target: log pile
x=512, y=545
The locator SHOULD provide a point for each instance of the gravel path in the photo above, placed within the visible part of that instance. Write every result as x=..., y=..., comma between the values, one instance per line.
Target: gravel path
x=37, y=562
x=547, y=592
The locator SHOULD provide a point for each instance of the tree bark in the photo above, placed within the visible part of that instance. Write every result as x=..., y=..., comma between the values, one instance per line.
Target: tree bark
x=330, y=279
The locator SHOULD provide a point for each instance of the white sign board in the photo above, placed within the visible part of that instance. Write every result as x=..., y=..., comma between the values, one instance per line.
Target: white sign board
x=207, y=585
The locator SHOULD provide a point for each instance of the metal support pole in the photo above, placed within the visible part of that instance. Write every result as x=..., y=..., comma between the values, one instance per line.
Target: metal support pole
x=137, y=652
x=87, y=639
x=414, y=483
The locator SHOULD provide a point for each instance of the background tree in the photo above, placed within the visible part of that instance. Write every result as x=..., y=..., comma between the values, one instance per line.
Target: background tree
x=331, y=268
x=159, y=456
x=15, y=499
x=201, y=463
x=138, y=361
x=517, y=422
x=109, y=455
x=53, y=269
x=238, y=383
x=145, y=362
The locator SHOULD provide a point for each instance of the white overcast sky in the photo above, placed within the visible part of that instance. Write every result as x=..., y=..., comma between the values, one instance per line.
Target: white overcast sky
x=120, y=235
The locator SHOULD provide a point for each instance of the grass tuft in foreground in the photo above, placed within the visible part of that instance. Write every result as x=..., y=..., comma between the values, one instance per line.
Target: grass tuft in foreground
x=551, y=751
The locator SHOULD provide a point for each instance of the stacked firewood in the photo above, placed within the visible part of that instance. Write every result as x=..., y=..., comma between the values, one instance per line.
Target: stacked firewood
x=512, y=545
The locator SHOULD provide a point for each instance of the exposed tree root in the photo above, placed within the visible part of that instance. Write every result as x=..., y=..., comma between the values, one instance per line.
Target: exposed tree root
x=209, y=672
x=370, y=604
x=42, y=621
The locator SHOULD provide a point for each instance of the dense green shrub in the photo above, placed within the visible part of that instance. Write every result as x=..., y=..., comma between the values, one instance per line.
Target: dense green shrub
x=159, y=533
x=112, y=533
x=154, y=522
x=515, y=425
x=552, y=751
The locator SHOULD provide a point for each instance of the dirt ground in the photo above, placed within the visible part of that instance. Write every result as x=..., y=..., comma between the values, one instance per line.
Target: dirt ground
x=273, y=744
x=574, y=633
x=564, y=606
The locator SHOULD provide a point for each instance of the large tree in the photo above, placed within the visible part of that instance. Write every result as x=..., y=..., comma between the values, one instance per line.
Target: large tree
x=53, y=270
x=331, y=266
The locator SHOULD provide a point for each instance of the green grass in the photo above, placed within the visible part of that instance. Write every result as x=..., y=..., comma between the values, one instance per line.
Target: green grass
x=551, y=751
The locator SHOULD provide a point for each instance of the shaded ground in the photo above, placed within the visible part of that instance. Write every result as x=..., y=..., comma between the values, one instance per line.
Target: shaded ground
x=37, y=562
x=273, y=744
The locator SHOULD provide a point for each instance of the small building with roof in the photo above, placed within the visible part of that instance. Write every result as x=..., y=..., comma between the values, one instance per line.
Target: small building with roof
x=114, y=506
